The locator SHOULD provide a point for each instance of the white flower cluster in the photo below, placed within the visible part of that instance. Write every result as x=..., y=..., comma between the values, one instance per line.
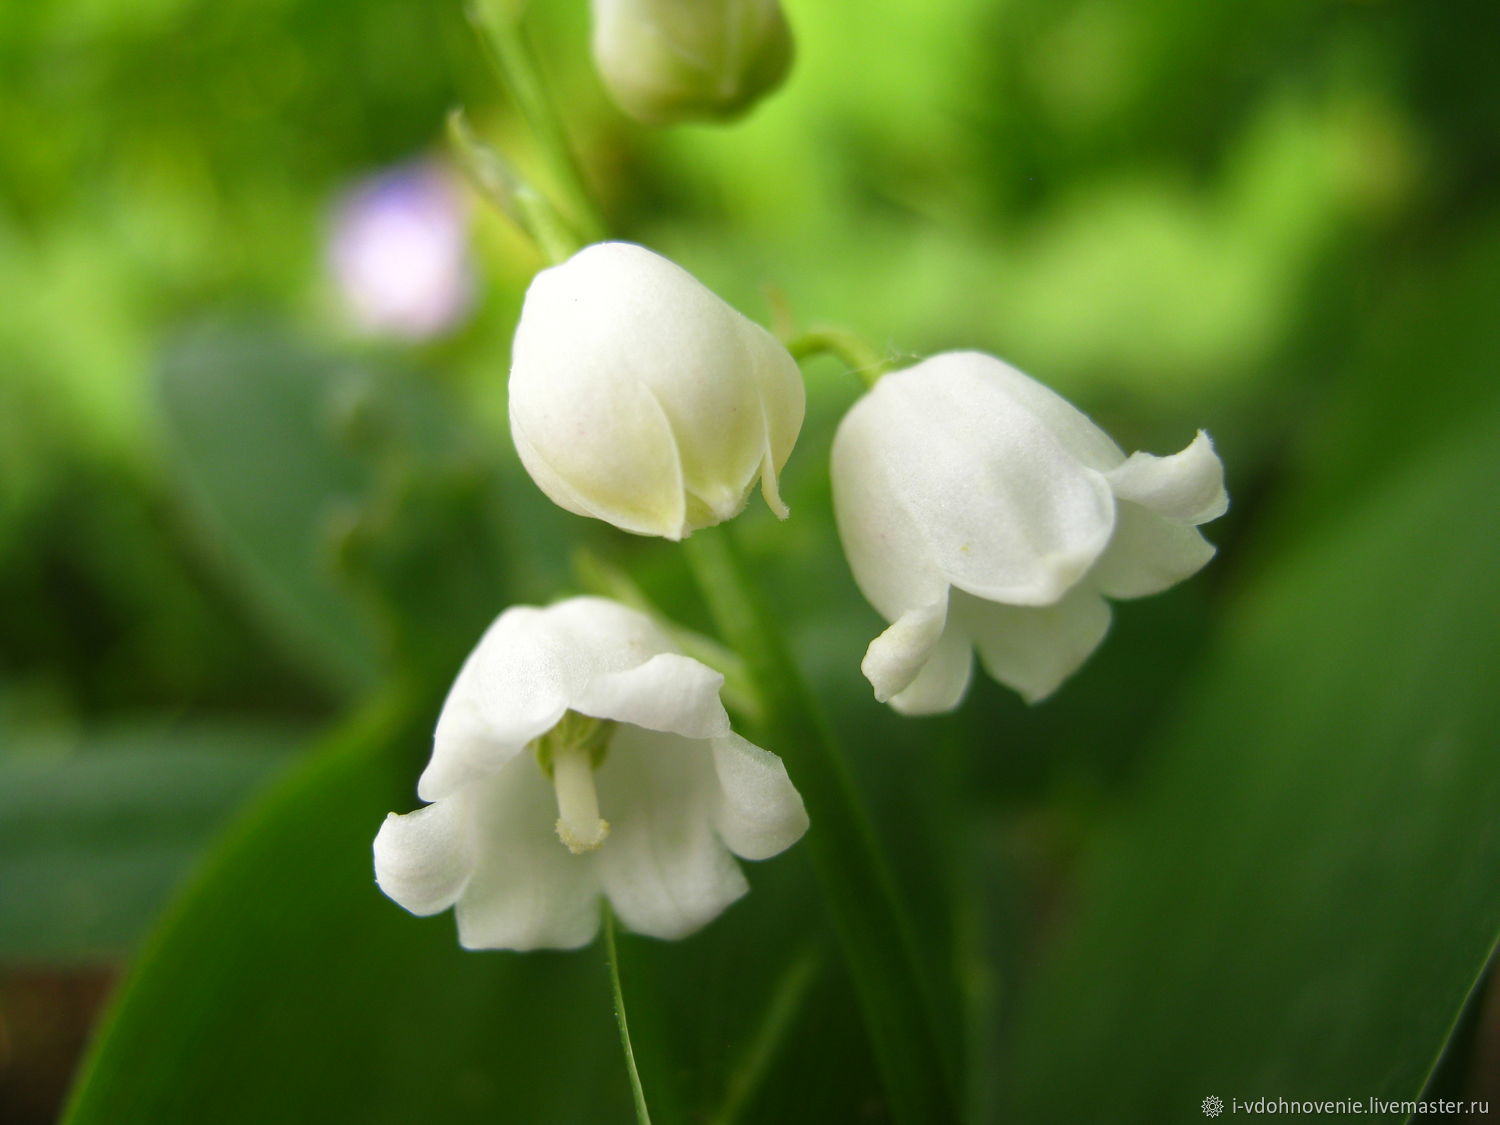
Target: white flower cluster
x=581, y=755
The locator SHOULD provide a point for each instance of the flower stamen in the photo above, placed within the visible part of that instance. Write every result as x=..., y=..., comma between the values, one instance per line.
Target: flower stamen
x=569, y=754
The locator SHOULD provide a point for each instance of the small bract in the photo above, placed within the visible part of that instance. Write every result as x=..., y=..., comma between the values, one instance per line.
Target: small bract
x=640, y=398
x=579, y=755
x=979, y=509
x=666, y=61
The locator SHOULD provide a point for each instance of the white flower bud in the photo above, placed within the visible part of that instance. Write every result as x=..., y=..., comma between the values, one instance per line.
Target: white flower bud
x=640, y=398
x=979, y=510
x=671, y=60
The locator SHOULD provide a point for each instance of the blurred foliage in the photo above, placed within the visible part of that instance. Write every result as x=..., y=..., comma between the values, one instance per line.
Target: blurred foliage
x=1249, y=845
x=94, y=837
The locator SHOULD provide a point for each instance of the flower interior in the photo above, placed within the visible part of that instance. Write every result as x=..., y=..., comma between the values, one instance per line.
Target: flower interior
x=569, y=754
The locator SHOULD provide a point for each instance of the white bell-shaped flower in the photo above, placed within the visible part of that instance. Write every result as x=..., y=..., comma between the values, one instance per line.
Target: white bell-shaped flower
x=640, y=398
x=980, y=510
x=580, y=754
x=675, y=60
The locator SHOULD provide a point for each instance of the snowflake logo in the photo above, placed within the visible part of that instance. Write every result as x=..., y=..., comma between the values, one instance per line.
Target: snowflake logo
x=1212, y=1106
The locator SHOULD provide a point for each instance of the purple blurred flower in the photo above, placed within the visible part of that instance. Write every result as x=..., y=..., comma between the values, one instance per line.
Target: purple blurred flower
x=398, y=253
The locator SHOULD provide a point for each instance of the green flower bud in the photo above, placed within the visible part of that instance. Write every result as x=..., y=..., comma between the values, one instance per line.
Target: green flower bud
x=666, y=61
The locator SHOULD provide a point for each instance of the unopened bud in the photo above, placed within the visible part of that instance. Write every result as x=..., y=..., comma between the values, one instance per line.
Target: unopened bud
x=667, y=61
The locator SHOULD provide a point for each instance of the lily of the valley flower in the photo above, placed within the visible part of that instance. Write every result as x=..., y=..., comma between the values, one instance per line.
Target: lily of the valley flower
x=640, y=398
x=578, y=755
x=674, y=60
x=978, y=509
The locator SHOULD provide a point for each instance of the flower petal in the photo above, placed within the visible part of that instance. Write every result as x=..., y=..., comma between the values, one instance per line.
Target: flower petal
x=783, y=403
x=759, y=813
x=895, y=658
x=424, y=859
x=1001, y=504
x=883, y=542
x=633, y=481
x=669, y=692
x=943, y=680
x=523, y=675
x=1148, y=554
x=1186, y=488
x=527, y=890
x=664, y=869
x=1079, y=434
x=1033, y=649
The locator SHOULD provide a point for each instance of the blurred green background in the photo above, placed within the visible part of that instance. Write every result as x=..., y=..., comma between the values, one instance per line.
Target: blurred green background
x=1251, y=850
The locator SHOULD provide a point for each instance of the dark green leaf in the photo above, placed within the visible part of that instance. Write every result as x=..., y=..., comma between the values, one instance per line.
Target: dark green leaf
x=283, y=978
x=286, y=984
x=1302, y=893
x=93, y=842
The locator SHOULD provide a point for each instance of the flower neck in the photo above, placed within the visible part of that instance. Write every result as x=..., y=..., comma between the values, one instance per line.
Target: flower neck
x=569, y=754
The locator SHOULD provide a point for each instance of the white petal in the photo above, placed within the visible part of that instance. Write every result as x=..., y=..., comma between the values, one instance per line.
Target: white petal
x=608, y=454
x=759, y=812
x=424, y=859
x=1001, y=504
x=783, y=401
x=664, y=868
x=527, y=890
x=1033, y=649
x=944, y=679
x=669, y=692
x=1071, y=426
x=1148, y=554
x=882, y=540
x=894, y=658
x=523, y=675
x=600, y=634
x=1186, y=488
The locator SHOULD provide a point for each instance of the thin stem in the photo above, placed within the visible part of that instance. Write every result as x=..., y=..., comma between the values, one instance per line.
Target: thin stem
x=642, y=1114
x=517, y=69
x=496, y=181
x=857, y=354
x=874, y=931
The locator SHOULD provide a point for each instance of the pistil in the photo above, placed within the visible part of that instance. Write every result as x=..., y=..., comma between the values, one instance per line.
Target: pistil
x=569, y=754
x=579, y=824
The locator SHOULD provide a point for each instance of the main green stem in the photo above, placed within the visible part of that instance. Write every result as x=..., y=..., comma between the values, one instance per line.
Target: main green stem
x=875, y=934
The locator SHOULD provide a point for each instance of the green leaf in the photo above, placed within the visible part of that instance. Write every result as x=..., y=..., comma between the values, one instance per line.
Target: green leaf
x=92, y=843
x=284, y=978
x=363, y=518
x=251, y=422
x=1306, y=886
